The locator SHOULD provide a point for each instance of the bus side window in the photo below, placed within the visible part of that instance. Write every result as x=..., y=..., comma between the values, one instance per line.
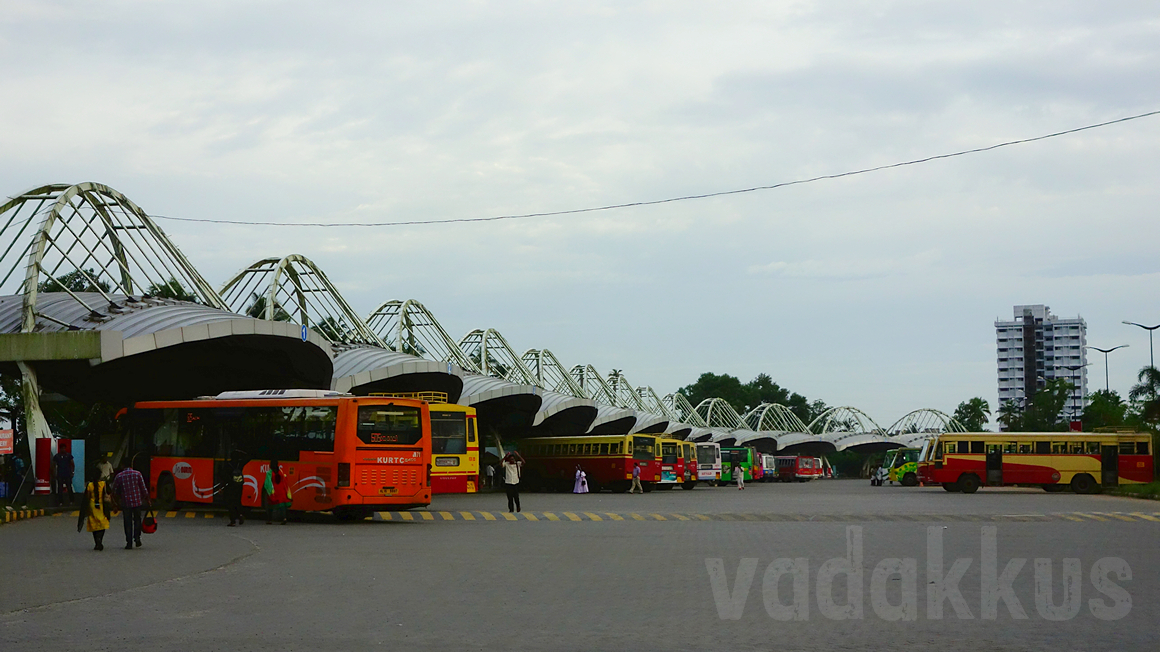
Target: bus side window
x=1075, y=448
x=1025, y=447
x=1141, y=448
x=604, y=449
x=978, y=447
x=994, y=448
x=471, y=430
x=938, y=451
x=1058, y=447
x=1127, y=448
x=1093, y=448
x=1010, y=447
x=1043, y=448
x=555, y=449
x=963, y=448
x=614, y=448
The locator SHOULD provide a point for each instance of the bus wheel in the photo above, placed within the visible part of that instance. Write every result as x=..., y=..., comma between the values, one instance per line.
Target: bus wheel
x=648, y=486
x=688, y=485
x=621, y=487
x=910, y=480
x=969, y=483
x=1083, y=484
x=951, y=487
x=166, y=494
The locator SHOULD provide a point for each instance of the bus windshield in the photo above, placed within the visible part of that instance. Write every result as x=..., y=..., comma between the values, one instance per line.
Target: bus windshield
x=669, y=453
x=448, y=433
x=642, y=448
x=706, y=454
x=389, y=424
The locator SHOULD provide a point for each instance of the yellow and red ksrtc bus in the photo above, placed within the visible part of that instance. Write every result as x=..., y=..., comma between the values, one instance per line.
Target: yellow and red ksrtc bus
x=342, y=453
x=1054, y=460
x=678, y=464
x=454, y=444
x=607, y=460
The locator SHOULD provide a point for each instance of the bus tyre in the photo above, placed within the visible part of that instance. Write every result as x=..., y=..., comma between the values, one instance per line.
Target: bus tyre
x=1083, y=484
x=648, y=486
x=969, y=483
x=688, y=485
x=910, y=480
x=951, y=487
x=166, y=494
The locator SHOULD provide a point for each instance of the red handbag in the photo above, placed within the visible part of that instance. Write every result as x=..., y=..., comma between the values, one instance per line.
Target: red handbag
x=149, y=523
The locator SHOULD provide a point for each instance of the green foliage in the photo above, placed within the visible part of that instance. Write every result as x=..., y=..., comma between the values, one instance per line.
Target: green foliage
x=744, y=397
x=75, y=281
x=1146, y=393
x=973, y=414
x=1105, y=409
x=1042, y=413
x=257, y=309
x=171, y=289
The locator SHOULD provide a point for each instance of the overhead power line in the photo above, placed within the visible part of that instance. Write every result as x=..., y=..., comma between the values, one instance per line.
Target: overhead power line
x=669, y=200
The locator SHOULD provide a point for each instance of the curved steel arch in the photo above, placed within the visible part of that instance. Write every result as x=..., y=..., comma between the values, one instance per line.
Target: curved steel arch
x=679, y=404
x=294, y=289
x=550, y=374
x=409, y=327
x=492, y=354
x=625, y=394
x=774, y=416
x=718, y=413
x=98, y=234
x=917, y=426
x=594, y=385
x=844, y=419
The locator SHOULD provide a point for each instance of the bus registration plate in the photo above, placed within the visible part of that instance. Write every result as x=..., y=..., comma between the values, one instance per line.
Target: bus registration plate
x=388, y=491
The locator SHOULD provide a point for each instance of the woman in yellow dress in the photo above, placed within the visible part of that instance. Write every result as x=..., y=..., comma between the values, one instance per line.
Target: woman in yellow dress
x=93, y=515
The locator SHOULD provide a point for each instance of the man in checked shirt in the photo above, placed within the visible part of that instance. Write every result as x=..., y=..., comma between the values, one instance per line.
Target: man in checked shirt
x=132, y=494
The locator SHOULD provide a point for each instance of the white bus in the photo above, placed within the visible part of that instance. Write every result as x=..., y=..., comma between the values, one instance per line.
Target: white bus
x=709, y=462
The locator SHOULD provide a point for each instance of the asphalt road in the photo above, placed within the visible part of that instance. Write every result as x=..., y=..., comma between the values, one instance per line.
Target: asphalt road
x=628, y=584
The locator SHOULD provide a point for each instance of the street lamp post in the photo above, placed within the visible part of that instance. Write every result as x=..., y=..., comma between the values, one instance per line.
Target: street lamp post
x=1107, y=386
x=1151, y=358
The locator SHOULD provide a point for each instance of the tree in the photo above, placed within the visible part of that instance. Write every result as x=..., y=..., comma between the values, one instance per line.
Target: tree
x=1042, y=412
x=711, y=385
x=1011, y=416
x=171, y=289
x=332, y=330
x=257, y=308
x=1147, y=393
x=973, y=414
x=76, y=281
x=1105, y=409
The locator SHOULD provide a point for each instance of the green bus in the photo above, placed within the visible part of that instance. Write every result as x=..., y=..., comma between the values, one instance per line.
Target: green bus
x=747, y=457
x=903, y=466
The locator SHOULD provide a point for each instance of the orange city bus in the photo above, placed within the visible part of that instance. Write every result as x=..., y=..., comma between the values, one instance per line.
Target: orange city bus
x=454, y=444
x=607, y=461
x=346, y=454
x=1054, y=460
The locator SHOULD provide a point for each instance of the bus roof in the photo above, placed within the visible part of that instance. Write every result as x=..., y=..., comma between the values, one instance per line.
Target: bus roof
x=1033, y=436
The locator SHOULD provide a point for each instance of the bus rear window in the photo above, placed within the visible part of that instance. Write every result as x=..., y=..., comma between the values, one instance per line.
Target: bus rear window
x=448, y=433
x=389, y=424
x=706, y=454
x=642, y=448
x=669, y=453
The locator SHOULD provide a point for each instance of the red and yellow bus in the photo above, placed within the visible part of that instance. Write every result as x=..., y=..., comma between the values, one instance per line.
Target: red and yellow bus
x=1054, y=460
x=678, y=464
x=607, y=460
x=454, y=444
x=342, y=453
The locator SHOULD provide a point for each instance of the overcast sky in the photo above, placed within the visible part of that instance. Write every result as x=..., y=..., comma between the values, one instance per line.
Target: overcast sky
x=878, y=291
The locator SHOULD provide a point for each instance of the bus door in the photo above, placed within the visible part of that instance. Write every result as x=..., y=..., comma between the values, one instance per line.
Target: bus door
x=995, y=465
x=1110, y=465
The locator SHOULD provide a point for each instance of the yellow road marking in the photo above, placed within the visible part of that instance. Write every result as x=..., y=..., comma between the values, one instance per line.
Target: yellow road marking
x=1146, y=517
x=592, y=517
x=571, y=516
x=551, y=517
x=509, y=516
x=702, y=517
x=209, y=514
x=407, y=516
x=681, y=518
x=657, y=517
x=427, y=516
x=386, y=516
x=1092, y=516
x=76, y=513
x=467, y=516
x=487, y=516
x=170, y=514
x=1071, y=518
x=532, y=517
x=1119, y=516
x=190, y=515
x=447, y=516
x=615, y=517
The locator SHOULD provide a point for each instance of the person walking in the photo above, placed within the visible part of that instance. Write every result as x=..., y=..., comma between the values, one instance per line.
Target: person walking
x=581, y=486
x=132, y=494
x=65, y=468
x=739, y=474
x=490, y=476
x=511, y=478
x=105, y=468
x=278, y=497
x=235, y=484
x=94, y=514
x=635, y=479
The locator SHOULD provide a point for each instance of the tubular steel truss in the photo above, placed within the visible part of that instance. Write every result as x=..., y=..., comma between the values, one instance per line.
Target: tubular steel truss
x=776, y=417
x=655, y=405
x=920, y=425
x=550, y=374
x=718, y=413
x=294, y=289
x=679, y=404
x=844, y=419
x=408, y=327
x=493, y=356
x=90, y=238
x=594, y=385
x=626, y=396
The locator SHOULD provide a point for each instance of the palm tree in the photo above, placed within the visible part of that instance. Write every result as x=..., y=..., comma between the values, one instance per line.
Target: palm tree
x=1147, y=391
x=257, y=309
x=1011, y=416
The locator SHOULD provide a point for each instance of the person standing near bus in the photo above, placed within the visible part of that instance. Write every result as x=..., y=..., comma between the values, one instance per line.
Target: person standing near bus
x=491, y=476
x=581, y=486
x=235, y=484
x=739, y=473
x=105, y=468
x=93, y=515
x=636, y=479
x=132, y=494
x=511, y=479
x=65, y=468
x=277, y=489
